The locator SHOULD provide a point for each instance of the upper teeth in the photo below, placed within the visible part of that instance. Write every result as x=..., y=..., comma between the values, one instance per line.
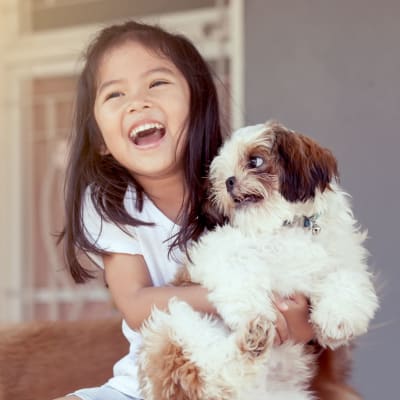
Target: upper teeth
x=144, y=127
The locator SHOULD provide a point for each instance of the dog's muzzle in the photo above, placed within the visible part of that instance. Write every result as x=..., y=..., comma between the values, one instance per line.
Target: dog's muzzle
x=239, y=198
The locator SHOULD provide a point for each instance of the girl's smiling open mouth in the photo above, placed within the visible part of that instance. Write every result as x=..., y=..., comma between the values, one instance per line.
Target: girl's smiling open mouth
x=147, y=134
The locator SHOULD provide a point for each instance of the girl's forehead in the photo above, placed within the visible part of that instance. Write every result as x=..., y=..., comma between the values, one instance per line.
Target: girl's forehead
x=132, y=57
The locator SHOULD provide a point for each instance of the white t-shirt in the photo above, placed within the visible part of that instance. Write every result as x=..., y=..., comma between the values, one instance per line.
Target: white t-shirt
x=152, y=243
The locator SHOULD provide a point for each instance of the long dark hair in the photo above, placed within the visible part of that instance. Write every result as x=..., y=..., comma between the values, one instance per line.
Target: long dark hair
x=107, y=179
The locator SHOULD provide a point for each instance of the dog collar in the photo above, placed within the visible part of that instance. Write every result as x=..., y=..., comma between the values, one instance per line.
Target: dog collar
x=309, y=223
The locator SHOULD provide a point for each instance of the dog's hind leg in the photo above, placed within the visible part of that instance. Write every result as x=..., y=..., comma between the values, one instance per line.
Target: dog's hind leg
x=166, y=370
x=181, y=379
x=184, y=356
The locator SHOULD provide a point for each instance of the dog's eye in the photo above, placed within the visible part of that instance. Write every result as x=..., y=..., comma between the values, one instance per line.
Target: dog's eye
x=255, y=162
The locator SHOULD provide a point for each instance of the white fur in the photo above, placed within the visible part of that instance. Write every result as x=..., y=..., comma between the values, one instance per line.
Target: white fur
x=242, y=263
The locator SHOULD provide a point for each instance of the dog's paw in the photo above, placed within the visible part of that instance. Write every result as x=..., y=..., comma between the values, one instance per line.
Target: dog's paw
x=333, y=338
x=256, y=337
x=333, y=329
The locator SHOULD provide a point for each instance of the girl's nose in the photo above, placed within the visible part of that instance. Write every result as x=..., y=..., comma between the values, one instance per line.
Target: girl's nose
x=137, y=105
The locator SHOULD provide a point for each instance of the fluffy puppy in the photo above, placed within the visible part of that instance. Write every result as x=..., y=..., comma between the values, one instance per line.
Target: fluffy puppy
x=290, y=229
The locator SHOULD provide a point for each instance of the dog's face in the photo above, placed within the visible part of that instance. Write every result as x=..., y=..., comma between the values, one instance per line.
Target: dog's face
x=262, y=163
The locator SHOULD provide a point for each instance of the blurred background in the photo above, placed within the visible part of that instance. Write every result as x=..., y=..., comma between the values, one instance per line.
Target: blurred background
x=329, y=69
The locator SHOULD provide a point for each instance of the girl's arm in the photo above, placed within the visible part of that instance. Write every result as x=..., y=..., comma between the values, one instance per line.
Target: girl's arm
x=134, y=294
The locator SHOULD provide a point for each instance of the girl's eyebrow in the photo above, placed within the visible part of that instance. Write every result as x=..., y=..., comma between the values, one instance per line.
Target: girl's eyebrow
x=159, y=69
x=104, y=85
x=164, y=70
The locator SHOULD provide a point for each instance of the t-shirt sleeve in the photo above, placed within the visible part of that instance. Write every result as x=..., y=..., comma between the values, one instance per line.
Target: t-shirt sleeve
x=106, y=235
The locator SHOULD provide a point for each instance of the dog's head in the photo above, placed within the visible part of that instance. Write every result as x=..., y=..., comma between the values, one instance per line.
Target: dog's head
x=260, y=164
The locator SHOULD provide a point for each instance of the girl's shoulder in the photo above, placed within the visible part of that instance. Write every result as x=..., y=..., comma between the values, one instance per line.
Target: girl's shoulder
x=105, y=234
x=138, y=206
x=129, y=200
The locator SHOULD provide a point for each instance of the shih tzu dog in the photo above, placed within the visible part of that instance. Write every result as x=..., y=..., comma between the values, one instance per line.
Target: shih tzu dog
x=290, y=229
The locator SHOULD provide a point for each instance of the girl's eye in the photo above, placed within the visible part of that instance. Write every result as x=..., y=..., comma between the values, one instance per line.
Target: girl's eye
x=113, y=95
x=255, y=162
x=158, y=83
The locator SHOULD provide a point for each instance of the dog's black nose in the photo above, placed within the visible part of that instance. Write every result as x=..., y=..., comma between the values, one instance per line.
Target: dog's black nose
x=230, y=183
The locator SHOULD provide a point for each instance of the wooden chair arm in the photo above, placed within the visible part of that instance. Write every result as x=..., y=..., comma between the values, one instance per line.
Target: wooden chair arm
x=44, y=360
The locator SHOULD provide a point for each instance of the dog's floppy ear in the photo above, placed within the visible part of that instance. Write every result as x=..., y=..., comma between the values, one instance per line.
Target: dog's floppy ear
x=212, y=216
x=304, y=165
x=209, y=212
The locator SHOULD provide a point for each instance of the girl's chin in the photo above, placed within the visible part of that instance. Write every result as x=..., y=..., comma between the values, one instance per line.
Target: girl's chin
x=158, y=169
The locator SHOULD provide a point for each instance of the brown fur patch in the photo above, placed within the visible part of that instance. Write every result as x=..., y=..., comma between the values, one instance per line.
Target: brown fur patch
x=268, y=172
x=173, y=375
x=305, y=166
x=182, y=278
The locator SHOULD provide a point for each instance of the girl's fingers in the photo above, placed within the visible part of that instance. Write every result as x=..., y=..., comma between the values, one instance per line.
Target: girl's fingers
x=282, y=330
x=280, y=302
x=294, y=301
x=300, y=300
x=294, y=311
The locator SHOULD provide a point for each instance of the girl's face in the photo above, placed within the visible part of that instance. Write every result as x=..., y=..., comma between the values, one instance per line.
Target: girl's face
x=142, y=110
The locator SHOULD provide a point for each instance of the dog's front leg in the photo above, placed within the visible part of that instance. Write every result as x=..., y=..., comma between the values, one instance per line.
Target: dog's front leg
x=231, y=266
x=246, y=307
x=343, y=308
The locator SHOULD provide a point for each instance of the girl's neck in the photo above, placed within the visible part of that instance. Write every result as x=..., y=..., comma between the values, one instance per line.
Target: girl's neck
x=167, y=194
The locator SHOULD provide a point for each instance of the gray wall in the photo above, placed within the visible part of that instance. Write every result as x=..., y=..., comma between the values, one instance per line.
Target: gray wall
x=331, y=70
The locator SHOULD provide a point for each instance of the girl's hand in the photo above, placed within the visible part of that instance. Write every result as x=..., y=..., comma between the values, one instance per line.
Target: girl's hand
x=293, y=319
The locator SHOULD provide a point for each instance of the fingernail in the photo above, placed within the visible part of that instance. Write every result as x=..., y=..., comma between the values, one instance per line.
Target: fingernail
x=283, y=306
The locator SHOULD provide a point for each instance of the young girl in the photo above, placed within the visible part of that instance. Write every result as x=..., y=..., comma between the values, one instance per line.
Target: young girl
x=146, y=129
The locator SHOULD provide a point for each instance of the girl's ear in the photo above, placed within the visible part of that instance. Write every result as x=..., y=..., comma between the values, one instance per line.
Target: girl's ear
x=304, y=165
